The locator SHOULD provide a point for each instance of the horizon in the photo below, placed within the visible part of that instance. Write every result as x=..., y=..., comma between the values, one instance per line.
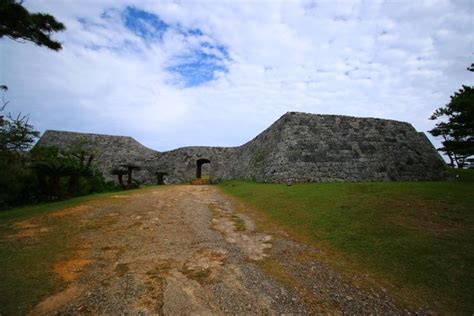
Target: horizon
x=218, y=73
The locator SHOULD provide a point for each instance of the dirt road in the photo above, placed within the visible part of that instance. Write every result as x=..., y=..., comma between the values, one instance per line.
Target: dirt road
x=183, y=250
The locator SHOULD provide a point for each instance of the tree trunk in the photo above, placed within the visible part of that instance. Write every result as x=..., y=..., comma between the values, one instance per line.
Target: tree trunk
x=54, y=186
x=451, y=160
x=129, y=180
x=89, y=162
x=459, y=161
x=43, y=184
x=120, y=180
x=73, y=184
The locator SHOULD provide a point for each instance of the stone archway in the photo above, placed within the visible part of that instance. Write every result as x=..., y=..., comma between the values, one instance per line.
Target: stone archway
x=199, y=164
x=161, y=177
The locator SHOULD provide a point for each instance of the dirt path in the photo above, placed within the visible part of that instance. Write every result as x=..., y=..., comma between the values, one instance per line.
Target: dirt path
x=183, y=250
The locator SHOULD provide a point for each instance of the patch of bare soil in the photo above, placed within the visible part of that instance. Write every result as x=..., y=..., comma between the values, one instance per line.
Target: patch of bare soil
x=70, y=211
x=71, y=268
x=184, y=250
x=27, y=229
x=26, y=224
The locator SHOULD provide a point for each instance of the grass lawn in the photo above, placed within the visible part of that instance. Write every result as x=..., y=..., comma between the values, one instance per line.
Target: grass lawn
x=416, y=236
x=26, y=274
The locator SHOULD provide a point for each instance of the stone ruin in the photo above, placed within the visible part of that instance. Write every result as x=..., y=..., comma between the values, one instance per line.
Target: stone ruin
x=298, y=147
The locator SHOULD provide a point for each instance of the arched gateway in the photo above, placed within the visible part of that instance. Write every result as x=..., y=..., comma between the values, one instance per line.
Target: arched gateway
x=199, y=164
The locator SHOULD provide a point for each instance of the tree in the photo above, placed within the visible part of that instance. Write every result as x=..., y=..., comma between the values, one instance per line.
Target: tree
x=458, y=131
x=16, y=134
x=49, y=175
x=83, y=157
x=125, y=169
x=20, y=25
x=17, y=183
x=119, y=172
x=65, y=172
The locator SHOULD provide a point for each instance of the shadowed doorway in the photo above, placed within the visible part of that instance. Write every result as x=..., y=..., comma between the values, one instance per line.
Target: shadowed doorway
x=200, y=171
x=161, y=177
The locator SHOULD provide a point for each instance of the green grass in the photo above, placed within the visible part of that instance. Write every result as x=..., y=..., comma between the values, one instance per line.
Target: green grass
x=26, y=264
x=462, y=175
x=26, y=267
x=18, y=213
x=417, y=236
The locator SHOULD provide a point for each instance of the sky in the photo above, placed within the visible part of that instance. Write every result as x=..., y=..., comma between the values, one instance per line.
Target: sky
x=187, y=73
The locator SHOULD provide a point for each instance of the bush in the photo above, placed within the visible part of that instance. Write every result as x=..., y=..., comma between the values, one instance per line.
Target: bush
x=45, y=174
x=95, y=184
x=18, y=183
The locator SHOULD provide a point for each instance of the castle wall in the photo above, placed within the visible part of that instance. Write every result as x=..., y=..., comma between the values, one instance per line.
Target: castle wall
x=180, y=164
x=109, y=151
x=299, y=147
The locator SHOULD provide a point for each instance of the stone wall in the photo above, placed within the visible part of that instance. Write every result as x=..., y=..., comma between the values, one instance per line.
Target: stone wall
x=299, y=147
x=323, y=148
x=109, y=151
x=180, y=164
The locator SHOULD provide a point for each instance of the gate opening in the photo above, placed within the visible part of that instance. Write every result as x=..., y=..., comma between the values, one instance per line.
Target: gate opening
x=161, y=177
x=202, y=172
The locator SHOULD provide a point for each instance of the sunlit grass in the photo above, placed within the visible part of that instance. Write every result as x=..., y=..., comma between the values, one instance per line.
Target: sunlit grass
x=418, y=236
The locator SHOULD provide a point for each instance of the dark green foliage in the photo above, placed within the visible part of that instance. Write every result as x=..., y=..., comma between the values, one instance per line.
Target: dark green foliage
x=20, y=25
x=462, y=175
x=16, y=134
x=66, y=173
x=18, y=183
x=458, y=131
x=42, y=173
x=47, y=173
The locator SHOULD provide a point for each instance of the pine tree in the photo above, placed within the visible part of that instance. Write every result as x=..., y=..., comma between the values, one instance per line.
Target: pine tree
x=20, y=25
x=458, y=130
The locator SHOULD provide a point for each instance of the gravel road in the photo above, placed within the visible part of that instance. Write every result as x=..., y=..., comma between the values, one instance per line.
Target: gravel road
x=182, y=250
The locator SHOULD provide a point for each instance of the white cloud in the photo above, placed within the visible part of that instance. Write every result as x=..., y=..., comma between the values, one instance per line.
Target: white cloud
x=364, y=58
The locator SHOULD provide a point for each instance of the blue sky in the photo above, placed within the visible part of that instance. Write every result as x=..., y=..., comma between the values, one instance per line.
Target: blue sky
x=181, y=73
